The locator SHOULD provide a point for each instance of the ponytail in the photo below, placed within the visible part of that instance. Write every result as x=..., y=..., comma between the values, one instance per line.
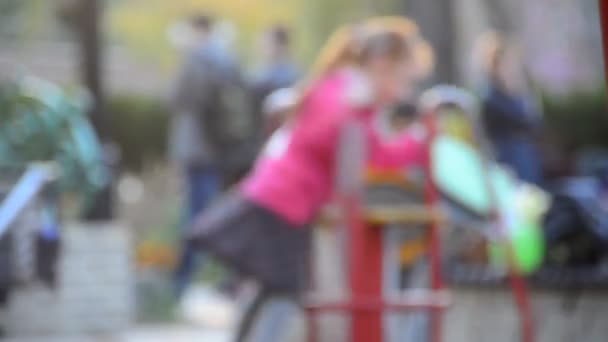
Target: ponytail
x=347, y=43
x=339, y=51
x=344, y=46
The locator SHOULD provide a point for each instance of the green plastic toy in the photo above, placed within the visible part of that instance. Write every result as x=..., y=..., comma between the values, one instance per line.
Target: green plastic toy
x=458, y=171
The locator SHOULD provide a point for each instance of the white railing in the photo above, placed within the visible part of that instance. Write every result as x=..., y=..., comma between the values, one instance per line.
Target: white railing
x=24, y=192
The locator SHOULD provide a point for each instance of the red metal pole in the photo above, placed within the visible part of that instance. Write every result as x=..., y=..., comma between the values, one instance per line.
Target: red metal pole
x=311, y=326
x=520, y=296
x=435, y=326
x=603, y=4
x=365, y=273
x=432, y=200
x=519, y=289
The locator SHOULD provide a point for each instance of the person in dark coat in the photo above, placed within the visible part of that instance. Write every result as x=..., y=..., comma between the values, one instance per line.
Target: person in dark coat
x=276, y=70
x=508, y=116
x=201, y=130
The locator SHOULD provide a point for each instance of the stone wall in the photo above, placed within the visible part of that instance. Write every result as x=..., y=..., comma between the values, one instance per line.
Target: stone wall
x=94, y=291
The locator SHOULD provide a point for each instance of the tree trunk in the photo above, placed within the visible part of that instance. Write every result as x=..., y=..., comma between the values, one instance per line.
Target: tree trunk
x=435, y=19
x=498, y=14
x=90, y=40
x=90, y=50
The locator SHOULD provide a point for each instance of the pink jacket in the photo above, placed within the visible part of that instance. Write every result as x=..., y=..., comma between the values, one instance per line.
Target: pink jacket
x=294, y=176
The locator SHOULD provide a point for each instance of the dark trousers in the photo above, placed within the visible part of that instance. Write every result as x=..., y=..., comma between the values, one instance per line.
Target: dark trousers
x=203, y=186
x=521, y=155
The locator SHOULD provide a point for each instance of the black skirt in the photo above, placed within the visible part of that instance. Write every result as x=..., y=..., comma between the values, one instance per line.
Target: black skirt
x=256, y=242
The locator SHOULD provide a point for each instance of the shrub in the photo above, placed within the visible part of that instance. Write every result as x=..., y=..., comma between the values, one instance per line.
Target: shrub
x=139, y=126
x=579, y=121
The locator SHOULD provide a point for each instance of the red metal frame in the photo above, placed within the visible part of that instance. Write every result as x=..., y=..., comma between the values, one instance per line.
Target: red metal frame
x=366, y=303
x=365, y=261
x=365, y=270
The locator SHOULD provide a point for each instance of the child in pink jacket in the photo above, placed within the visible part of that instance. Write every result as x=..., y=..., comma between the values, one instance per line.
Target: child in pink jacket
x=261, y=229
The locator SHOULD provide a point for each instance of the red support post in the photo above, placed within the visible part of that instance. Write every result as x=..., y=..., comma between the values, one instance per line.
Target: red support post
x=603, y=7
x=365, y=252
x=365, y=273
x=432, y=198
x=435, y=326
x=311, y=325
x=522, y=302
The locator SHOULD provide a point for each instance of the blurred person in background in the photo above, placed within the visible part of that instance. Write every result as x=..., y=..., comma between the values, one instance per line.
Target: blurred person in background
x=508, y=114
x=276, y=70
x=201, y=132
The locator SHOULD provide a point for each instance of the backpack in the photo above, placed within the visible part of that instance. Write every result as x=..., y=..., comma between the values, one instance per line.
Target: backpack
x=576, y=225
x=212, y=89
x=233, y=108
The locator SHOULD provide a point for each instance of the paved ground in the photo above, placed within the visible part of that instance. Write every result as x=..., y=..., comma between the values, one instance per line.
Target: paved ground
x=152, y=333
x=205, y=317
x=175, y=334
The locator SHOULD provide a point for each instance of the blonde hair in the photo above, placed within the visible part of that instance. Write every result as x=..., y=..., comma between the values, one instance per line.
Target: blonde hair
x=347, y=44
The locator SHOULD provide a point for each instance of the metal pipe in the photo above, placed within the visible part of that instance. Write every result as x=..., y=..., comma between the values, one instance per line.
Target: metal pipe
x=25, y=191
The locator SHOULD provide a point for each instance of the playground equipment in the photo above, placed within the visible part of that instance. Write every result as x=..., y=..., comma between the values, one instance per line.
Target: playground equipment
x=486, y=190
x=457, y=187
x=364, y=230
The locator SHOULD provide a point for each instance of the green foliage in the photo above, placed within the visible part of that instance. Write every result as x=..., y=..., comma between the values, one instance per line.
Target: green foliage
x=142, y=24
x=9, y=10
x=40, y=122
x=24, y=19
x=580, y=120
x=139, y=126
x=320, y=18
